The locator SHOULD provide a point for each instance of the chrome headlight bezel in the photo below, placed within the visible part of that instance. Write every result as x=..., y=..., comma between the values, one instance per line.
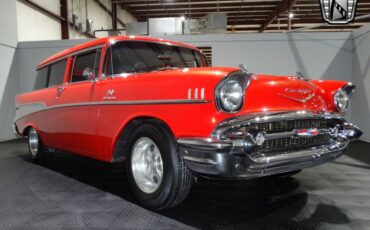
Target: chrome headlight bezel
x=342, y=97
x=237, y=81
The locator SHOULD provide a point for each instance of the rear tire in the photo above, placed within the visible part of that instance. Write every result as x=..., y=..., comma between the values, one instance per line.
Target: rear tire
x=35, y=146
x=157, y=173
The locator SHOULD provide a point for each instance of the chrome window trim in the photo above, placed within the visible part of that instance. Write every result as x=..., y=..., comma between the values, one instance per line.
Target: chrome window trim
x=71, y=55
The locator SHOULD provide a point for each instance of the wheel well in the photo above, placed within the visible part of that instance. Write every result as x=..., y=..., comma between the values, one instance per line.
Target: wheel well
x=25, y=131
x=122, y=142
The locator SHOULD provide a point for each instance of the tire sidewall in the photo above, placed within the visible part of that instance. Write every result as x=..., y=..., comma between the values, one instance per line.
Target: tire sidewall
x=39, y=153
x=166, y=145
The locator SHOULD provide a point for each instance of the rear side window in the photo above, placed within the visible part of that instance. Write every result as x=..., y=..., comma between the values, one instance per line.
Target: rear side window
x=41, y=79
x=57, y=71
x=86, y=65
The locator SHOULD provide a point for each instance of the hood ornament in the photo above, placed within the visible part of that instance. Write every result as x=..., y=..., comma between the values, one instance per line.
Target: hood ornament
x=302, y=76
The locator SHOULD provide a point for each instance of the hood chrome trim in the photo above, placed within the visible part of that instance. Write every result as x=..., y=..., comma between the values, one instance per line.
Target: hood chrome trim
x=304, y=100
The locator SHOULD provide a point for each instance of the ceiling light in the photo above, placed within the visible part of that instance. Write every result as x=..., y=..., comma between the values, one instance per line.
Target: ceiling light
x=291, y=15
x=182, y=18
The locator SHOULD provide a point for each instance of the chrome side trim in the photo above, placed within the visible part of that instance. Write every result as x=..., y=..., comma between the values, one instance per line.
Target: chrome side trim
x=28, y=109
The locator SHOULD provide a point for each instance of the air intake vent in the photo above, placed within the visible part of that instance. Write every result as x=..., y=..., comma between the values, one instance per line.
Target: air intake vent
x=207, y=50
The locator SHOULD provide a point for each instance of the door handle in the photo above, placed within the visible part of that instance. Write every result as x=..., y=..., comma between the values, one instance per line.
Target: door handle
x=60, y=89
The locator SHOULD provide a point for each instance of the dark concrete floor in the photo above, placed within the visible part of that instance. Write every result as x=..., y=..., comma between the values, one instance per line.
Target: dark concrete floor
x=72, y=191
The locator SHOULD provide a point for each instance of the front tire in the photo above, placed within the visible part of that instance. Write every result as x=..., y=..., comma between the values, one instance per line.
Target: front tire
x=157, y=173
x=284, y=175
x=35, y=146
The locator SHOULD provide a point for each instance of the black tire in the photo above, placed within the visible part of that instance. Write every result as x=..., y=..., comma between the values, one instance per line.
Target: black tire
x=285, y=175
x=36, y=148
x=177, y=179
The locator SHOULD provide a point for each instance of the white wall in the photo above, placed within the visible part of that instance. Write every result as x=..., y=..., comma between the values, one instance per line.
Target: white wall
x=318, y=55
x=8, y=24
x=34, y=25
x=361, y=78
x=8, y=76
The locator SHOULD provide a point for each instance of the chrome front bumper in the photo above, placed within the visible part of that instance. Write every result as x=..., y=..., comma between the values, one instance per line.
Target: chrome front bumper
x=232, y=157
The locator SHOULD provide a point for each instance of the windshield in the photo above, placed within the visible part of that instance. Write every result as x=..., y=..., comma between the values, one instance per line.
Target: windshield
x=139, y=57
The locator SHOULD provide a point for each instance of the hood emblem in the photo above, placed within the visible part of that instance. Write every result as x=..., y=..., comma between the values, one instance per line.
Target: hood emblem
x=307, y=132
x=306, y=93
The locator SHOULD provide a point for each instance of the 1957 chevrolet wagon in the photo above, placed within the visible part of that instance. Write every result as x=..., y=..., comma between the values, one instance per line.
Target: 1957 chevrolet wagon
x=159, y=107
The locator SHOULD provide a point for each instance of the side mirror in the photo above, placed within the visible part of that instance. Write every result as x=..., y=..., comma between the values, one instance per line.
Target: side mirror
x=88, y=74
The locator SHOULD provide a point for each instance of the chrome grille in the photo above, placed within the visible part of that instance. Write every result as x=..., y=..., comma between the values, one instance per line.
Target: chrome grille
x=290, y=143
x=281, y=144
x=290, y=125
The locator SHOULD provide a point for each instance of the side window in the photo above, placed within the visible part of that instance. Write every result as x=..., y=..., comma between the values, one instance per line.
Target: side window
x=86, y=66
x=57, y=71
x=41, y=78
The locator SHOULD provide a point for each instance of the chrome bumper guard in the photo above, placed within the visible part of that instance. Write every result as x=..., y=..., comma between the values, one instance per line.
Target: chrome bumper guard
x=233, y=158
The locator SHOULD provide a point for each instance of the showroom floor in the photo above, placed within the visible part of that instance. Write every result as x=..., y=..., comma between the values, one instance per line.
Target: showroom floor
x=74, y=192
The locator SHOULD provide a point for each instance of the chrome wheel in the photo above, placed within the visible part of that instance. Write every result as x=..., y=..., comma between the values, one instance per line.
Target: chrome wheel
x=33, y=142
x=146, y=165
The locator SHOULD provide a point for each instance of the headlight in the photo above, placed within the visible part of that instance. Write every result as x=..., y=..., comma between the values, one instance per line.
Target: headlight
x=342, y=97
x=229, y=94
x=341, y=100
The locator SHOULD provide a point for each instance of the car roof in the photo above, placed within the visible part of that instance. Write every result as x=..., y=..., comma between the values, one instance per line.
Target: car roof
x=102, y=41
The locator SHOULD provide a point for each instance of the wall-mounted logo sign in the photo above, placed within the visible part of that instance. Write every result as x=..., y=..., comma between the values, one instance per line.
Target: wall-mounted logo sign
x=338, y=11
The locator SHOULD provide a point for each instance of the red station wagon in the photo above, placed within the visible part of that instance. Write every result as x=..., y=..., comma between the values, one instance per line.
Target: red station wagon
x=159, y=107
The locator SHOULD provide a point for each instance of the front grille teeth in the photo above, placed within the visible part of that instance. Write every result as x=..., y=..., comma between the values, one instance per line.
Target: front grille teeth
x=291, y=142
x=290, y=125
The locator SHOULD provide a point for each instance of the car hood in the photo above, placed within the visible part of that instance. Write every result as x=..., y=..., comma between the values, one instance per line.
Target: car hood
x=283, y=93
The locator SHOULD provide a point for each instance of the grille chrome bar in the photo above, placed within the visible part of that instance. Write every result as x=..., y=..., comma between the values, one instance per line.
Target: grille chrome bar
x=281, y=130
x=263, y=118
